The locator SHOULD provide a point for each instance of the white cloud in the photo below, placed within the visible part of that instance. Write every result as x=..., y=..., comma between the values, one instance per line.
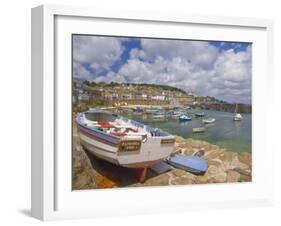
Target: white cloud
x=99, y=52
x=80, y=72
x=199, y=53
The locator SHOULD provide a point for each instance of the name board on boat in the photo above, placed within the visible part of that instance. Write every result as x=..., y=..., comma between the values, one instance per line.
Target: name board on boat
x=168, y=141
x=129, y=145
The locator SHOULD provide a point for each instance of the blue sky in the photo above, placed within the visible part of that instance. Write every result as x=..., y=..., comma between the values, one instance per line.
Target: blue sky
x=214, y=68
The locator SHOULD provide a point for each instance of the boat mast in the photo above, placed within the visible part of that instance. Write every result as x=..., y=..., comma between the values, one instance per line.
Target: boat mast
x=236, y=108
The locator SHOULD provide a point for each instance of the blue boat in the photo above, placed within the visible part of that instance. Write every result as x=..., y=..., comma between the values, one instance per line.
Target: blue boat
x=184, y=118
x=193, y=164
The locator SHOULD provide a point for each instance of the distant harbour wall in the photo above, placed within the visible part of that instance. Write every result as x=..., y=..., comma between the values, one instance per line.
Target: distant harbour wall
x=137, y=102
x=241, y=108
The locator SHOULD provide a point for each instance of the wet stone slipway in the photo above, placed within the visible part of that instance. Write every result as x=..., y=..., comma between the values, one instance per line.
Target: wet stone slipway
x=223, y=166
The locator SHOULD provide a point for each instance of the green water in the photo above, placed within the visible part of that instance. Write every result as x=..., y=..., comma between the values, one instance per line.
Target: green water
x=226, y=133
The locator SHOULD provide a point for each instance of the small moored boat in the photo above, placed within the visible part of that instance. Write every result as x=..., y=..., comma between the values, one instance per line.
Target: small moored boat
x=237, y=116
x=174, y=114
x=127, y=110
x=199, y=130
x=159, y=115
x=209, y=120
x=152, y=110
x=200, y=114
x=122, y=141
x=184, y=118
x=137, y=111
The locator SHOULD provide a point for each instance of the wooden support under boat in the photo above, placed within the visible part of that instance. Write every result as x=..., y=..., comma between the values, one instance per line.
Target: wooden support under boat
x=141, y=174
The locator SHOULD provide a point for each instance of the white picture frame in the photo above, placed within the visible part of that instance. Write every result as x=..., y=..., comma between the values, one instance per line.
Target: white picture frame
x=52, y=197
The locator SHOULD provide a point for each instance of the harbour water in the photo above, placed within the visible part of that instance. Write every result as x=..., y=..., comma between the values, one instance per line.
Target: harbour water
x=226, y=133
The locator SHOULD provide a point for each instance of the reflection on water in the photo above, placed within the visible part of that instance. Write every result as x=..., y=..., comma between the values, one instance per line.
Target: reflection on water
x=233, y=135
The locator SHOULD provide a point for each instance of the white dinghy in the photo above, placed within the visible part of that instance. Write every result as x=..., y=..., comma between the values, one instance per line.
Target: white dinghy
x=237, y=116
x=209, y=120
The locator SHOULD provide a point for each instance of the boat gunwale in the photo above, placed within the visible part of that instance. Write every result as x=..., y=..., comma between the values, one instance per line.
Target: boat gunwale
x=148, y=128
x=85, y=129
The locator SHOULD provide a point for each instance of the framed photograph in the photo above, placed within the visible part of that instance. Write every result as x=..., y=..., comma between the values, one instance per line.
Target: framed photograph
x=135, y=112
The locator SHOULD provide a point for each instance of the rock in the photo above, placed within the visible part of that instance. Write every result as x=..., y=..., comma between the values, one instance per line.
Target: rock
x=184, y=145
x=79, y=162
x=190, y=175
x=162, y=179
x=189, y=151
x=205, y=143
x=245, y=178
x=178, y=172
x=197, y=144
x=212, y=154
x=245, y=175
x=216, y=174
x=212, y=170
x=214, y=147
x=201, y=179
x=83, y=174
x=215, y=162
x=180, y=139
x=84, y=180
x=245, y=158
x=237, y=164
x=232, y=176
x=227, y=156
x=188, y=141
x=246, y=172
x=78, y=170
x=220, y=177
x=182, y=181
x=207, y=146
x=178, y=150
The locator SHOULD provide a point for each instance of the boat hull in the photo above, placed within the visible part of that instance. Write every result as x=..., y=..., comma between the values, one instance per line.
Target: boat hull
x=151, y=151
x=184, y=120
x=209, y=121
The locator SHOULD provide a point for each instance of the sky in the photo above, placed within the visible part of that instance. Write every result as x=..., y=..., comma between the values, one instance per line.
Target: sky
x=208, y=68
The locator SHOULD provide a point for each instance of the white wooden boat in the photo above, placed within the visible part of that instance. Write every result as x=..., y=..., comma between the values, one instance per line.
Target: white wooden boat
x=209, y=120
x=122, y=141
